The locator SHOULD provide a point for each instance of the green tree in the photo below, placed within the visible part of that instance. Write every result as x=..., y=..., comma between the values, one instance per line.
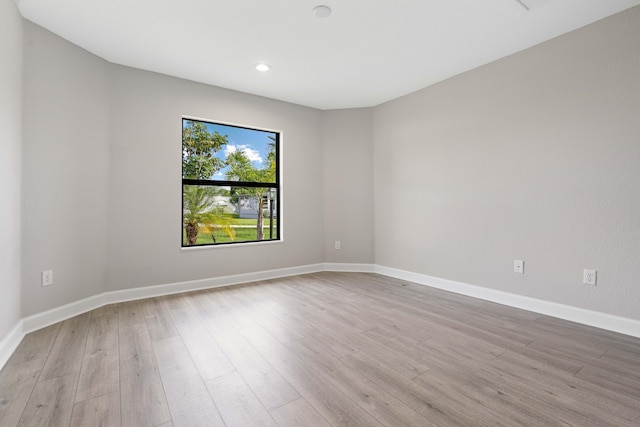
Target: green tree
x=241, y=169
x=199, y=211
x=199, y=147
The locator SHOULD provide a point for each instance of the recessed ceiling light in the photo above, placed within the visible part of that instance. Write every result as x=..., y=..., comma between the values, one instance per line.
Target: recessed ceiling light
x=321, y=11
x=263, y=67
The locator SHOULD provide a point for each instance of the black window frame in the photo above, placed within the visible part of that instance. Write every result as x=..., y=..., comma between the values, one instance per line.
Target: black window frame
x=274, y=213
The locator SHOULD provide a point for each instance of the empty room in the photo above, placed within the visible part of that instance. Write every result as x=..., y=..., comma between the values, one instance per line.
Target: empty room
x=304, y=213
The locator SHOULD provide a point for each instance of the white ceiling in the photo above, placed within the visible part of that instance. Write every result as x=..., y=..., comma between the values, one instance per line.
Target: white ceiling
x=367, y=52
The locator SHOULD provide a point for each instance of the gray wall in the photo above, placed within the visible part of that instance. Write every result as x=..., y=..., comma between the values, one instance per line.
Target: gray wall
x=145, y=190
x=535, y=157
x=10, y=164
x=348, y=185
x=65, y=170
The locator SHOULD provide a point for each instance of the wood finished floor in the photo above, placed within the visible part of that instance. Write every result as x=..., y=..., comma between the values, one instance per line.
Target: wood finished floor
x=326, y=349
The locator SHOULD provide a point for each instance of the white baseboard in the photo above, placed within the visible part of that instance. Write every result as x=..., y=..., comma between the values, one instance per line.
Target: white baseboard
x=609, y=322
x=64, y=312
x=38, y=321
x=210, y=283
x=58, y=314
x=10, y=342
x=351, y=268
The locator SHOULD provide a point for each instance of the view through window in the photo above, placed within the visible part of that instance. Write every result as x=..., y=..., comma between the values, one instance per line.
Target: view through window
x=230, y=184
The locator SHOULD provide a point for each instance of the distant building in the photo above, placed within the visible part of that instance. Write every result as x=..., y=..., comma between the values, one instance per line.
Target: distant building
x=224, y=202
x=248, y=206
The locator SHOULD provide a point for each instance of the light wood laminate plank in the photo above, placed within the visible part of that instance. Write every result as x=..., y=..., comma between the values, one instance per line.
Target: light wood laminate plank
x=268, y=385
x=236, y=402
x=422, y=400
x=158, y=320
x=36, y=345
x=298, y=414
x=67, y=352
x=102, y=411
x=207, y=355
x=51, y=402
x=142, y=398
x=536, y=378
x=326, y=399
x=189, y=402
x=130, y=313
x=372, y=398
x=100, y=373
x=16, y=385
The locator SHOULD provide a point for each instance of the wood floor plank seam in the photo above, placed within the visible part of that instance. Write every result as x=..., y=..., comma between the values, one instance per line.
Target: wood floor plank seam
x=239, y=368
x=148, y=398
x=256, y=395
x=318, y=382
x=120, y=397
x=334, y=372
x=83, y=360
x=42, y=381
x=44, y=363
x=30, y=394
x=161, y=383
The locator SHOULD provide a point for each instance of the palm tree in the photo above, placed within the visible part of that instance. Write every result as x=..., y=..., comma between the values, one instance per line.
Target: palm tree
x=199, y=211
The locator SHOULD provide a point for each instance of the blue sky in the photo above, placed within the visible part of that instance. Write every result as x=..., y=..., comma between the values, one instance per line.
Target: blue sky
x=253, y=142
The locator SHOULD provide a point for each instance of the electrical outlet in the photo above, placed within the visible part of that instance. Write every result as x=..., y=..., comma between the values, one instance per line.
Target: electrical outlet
x=337, y=244
x=590, y=277
x=518, y=266
x=47, y=278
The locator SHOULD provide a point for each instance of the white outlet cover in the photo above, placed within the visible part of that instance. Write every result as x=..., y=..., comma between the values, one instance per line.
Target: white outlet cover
x=518, y=266
x=590, y=277
x=47, y=278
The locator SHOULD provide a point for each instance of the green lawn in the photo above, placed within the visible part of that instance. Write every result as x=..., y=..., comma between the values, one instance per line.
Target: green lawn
x=245, y=231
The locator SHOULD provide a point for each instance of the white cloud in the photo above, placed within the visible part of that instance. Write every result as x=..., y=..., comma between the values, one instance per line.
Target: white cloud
x=252, y=155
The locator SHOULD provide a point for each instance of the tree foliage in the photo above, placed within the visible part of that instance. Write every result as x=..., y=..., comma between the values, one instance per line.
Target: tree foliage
x=199, y=147
x=199, y=210
x=241, y=169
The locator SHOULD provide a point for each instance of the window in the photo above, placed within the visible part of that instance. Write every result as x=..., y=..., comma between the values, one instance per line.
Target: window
x=230, y=184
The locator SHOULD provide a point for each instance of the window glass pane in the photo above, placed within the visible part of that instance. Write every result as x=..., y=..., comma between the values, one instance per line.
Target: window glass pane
x=222, y=214
x=220, y=152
